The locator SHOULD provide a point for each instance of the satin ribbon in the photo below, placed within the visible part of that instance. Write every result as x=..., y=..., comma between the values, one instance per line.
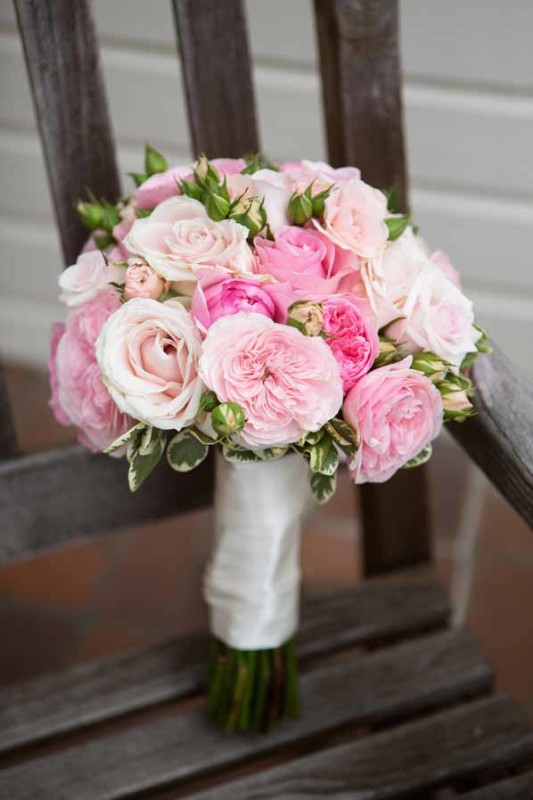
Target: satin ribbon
x=252, y=580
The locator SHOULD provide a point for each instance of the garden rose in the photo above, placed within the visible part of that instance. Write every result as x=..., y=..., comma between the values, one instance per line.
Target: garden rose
x=161, y=186
x=443, y=261
x=78, y=395
x=143, y=281
x=229, y=166
x=397, y=411
x=286, y=383
x=354, y=218
x=219, y=294
x=320, y=174
x=268, y=185
x=85, y=279
x=179, y=238
x=148, y=353
x=351, y=335
x=436, y=317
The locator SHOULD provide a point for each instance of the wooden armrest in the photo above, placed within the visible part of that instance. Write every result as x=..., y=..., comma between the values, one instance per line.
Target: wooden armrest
x=500, y=437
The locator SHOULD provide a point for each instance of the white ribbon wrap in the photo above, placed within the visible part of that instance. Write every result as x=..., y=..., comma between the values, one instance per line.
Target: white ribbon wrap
x=253, y=577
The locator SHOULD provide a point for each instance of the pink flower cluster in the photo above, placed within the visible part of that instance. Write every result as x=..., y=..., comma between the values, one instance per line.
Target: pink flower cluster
x=281, y=316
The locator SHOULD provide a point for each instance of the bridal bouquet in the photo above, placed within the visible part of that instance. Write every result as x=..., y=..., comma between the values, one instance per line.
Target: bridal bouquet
x=288, y=317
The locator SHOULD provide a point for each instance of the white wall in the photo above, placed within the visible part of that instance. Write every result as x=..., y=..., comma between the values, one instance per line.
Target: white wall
x=469, y=114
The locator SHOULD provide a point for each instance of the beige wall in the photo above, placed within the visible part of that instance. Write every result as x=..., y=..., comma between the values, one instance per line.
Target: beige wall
x=469, y=113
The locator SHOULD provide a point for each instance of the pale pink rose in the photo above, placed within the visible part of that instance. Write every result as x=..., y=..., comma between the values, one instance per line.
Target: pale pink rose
x=81, y=282
x=79, y=396
x=354, y=218
x=436, y=317
x=128, y=215
x=219, y=294
x=229, y=166
x=270, y=186
x=351, y=335
x=143, y=281
x=148, y=353
x=305, y=260
x=287, y=383
x=161, y=186
x=320, y=174
x=178, y=239
x=443, y=262
x=397, y=411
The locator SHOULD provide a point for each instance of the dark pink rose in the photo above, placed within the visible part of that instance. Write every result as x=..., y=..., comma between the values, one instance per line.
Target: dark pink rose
x=219, y=294
x=351, y=335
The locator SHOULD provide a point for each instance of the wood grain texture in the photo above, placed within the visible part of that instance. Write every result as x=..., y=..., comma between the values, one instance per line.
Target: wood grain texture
x=50, y=498
x=64, y=67
x=218, y=76
x=361, y=83
x=379, y=610
x=390, y=684
x=499, y=438
x=518, y=788
x=8, y=441
x=489, y=736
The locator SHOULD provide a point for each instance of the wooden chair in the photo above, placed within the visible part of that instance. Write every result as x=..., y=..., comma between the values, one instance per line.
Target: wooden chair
x=404, y=706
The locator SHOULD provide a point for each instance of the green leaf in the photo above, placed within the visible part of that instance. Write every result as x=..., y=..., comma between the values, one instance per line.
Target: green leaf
x=344, y=435
x=154, y=162
x=142, y=213
x=323, y=487
x=255, y=162
x=185, y=452
x=482, y=344
x=138, y=178
x=323, y=457
x=201, y=436
x=393, y=200
x=208, y=401
x=143, y=463
x=397, y=225
x=271, y=453
x=192, y=189
x=423, y=456
x=238, y=455
x=125, y=438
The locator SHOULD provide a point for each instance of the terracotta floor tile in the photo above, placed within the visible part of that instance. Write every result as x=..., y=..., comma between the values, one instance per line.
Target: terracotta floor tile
x=66, y=578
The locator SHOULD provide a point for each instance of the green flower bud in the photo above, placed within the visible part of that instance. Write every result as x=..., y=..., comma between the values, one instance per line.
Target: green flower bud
x=455, y=391
x=253, y=216
x=153, y=161
x=192, y=189
x=228, y=419
x=204, y=171
x=300, y=208
x=216, y=206
x=307, y=317
x=388, y=352
x=91, y=215
x=319, y=201
x=431, y=365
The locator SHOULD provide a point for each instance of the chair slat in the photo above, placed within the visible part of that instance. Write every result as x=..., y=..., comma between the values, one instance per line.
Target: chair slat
x=374, y=689
x=361, y=83
x=218, y=76
x=379, y=610
x=517, y=788
x=483, y=738
x=499, y=437
x=8, y=441
x=50, y=498
x=68, y=91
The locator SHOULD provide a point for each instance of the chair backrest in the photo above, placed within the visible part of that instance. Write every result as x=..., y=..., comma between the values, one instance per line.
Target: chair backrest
x=359, y=55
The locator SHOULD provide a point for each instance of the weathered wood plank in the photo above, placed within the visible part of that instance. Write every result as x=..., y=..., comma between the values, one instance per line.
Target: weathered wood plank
x=94, y=497
x=8, y=441
x=379, y=610
x=383, y=686
x=487, y=736
x=499, y=437
x=64, y=67
x=517, y=788
x=218, y=76
x=361, y=86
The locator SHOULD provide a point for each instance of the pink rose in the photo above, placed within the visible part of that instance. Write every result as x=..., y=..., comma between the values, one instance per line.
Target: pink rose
x=287, y=383
x=354, y=218
x=351, y=336
x=148, y=353
x=397, y=411
x=443, y=262
x=81, y=282
x=79, y=396
x=161, y=186
x=219, y=294
x=143, y=281
x=179, y=238
x=270, y=186
x=320, y=174
x=305, y=260
x=229, y=166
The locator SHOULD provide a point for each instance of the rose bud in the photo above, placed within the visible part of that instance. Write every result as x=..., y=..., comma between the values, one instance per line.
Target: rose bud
x=431, y=365
x=307, y=317
x=252, y=215
x=388, y=352
x=228, y=419
x=300, y=208
x=454, y=391
x=143, y=281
